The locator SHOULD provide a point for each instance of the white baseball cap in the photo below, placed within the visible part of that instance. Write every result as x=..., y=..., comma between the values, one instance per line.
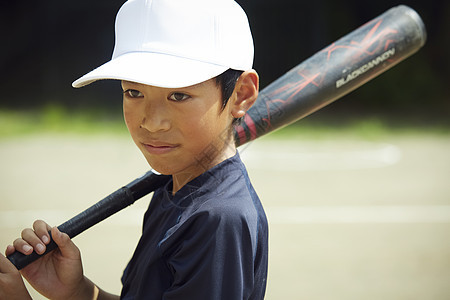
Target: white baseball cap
x=176, y=43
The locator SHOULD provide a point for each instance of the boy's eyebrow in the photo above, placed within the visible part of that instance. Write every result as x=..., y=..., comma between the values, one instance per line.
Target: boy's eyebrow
x=130, y=82
x=125, y=83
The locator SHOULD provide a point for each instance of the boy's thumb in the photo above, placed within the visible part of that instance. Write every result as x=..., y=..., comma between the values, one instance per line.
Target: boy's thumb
x=65, y=244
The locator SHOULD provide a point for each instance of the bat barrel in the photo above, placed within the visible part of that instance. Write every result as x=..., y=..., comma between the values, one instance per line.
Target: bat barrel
x=335, y=71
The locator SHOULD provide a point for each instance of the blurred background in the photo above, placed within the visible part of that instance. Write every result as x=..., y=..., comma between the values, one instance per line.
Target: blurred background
x=46, y=45
x=357, y=194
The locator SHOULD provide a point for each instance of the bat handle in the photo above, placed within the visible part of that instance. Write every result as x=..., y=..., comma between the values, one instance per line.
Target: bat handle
x=108, y=206
x=21, y=260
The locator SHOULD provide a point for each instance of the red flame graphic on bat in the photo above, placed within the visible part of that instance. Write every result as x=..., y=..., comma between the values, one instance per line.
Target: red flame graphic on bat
x=301, y=77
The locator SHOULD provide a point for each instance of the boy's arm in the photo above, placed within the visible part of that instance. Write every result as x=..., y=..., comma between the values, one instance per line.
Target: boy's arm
x=95, y=293
x=102, y=295
x=57, y=275
x=89, y=291
x=11, y=283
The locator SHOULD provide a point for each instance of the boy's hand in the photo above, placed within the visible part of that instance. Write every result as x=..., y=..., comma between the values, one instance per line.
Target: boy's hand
x=57, y=275
x=11, y=283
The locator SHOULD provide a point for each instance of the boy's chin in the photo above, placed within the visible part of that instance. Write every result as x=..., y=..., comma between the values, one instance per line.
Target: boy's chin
x=161, y=168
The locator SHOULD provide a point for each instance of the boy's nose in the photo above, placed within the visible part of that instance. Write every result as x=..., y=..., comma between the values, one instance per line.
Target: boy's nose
x=155, y=119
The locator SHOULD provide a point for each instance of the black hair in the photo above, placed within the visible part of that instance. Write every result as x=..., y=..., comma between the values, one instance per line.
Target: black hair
x=227, y=82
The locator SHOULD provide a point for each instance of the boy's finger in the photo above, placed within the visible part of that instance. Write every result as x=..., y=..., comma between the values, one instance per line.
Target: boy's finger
x=65, y=244
x=41, y=228
x=9, y=250
x=22, y=246
x=31, y=238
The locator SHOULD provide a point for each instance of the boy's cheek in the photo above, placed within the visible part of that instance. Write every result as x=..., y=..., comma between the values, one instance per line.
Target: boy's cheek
x=130, y=119
x=129, y=125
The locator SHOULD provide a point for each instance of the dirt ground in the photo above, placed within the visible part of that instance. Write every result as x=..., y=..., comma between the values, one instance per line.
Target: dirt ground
x=349, y=218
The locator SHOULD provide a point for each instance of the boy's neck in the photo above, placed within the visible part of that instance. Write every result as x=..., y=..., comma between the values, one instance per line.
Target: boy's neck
x=204, y=164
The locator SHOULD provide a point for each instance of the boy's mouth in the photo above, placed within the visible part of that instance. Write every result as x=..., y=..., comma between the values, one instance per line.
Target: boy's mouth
x=159, y=148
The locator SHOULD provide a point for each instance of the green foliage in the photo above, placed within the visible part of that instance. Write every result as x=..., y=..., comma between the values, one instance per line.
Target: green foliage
x=369, y=128
x=60, y=120
x=57, y=119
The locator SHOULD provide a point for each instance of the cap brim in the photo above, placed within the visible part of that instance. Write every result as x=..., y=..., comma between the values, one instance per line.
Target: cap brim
x=154, y=69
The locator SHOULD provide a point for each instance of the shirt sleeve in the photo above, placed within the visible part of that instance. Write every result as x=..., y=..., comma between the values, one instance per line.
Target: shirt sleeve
x=214, y=258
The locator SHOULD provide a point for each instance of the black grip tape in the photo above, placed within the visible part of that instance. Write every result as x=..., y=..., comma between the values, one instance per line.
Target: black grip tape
x=106, y=207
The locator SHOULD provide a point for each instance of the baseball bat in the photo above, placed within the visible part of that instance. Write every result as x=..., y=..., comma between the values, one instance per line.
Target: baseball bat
x=325, y=77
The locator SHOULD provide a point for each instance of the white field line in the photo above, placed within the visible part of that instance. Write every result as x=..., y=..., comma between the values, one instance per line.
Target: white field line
x=359, y=214
x=368, y=156
x=276, y=215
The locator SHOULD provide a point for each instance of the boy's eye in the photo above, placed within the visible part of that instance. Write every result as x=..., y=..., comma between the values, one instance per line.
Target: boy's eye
x=178, y=97
x=133, y=93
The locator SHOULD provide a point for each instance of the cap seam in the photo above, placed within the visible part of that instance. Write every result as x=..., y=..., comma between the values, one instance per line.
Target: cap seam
x=149, y=8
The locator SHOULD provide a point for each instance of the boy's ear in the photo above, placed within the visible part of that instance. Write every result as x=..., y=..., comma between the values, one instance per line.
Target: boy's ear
x=246, y=92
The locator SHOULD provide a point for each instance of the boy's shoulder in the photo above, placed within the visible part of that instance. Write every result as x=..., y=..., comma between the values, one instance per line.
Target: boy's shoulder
x=222, y=194
x=227, y=183
x=228, y=194
x=221, y=204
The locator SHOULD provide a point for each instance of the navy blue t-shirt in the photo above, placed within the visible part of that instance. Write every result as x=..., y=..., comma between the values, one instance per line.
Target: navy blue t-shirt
x=208, y=241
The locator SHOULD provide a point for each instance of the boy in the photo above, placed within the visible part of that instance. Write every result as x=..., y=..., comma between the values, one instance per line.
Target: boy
x=185, y=68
